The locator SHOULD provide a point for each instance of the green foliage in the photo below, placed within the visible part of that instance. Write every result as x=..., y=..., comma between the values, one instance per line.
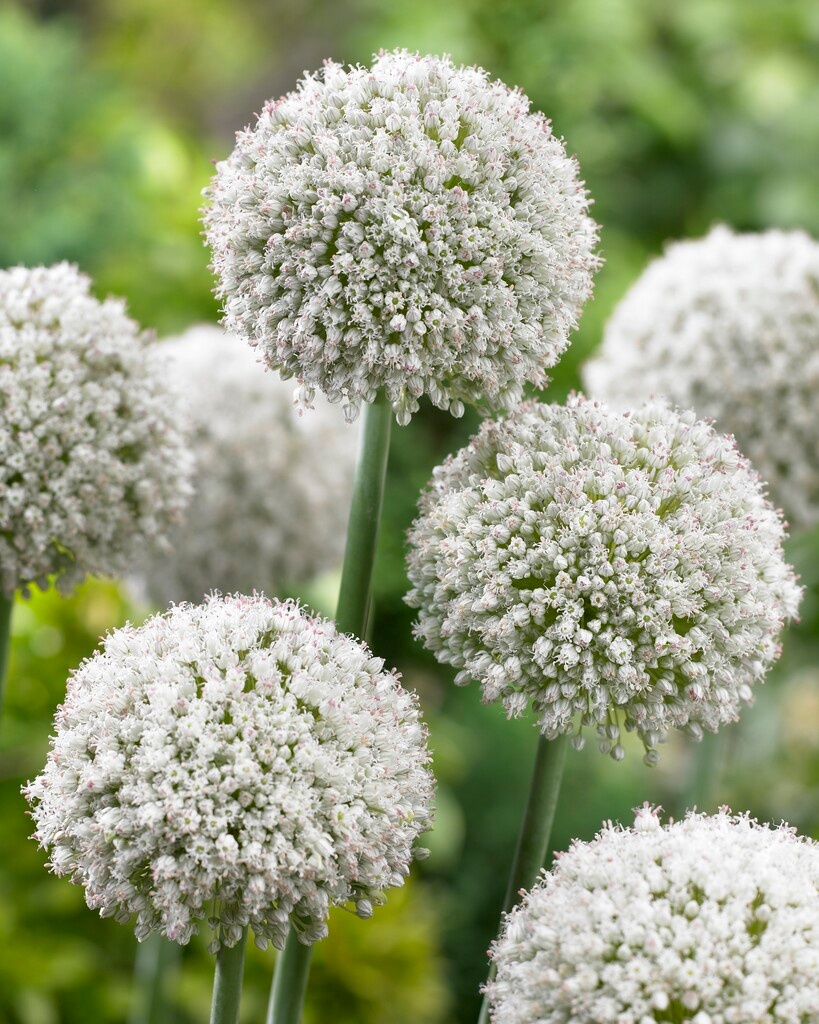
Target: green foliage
x=88, y=174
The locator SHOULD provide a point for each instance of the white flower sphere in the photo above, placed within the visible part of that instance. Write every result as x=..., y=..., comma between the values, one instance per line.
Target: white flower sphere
x=93, y=459
x=620, y=570
x=238, y=761
x=711, y=920
x=729, y=325
x=410, y=227
x=272, y=487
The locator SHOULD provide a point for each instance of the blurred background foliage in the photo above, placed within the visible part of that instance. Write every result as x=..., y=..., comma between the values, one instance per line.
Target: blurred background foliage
x=111, y=112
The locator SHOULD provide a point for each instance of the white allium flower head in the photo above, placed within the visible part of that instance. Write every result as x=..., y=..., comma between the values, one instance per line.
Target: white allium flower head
x=411, y=227
x=93, y=458
x=711, y=920
x=239, y=761
x=272, y=487
x=729, y=325
x=613, y=569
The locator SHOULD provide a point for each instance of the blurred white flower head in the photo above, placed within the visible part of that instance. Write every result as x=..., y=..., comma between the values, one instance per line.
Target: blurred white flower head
x=239, y=761
x=613, y=569
x=712, y=920
x=410, y=227
x=729, y=325
x=93, y=458
x=272, y=487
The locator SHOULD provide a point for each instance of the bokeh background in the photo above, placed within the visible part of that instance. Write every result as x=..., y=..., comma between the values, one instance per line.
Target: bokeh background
x=111, y=111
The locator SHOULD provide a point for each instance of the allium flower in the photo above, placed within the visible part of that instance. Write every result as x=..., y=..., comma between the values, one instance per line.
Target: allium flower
x=616, y=569
x=712, y=920
x=93, y=461
x=410, y=227
x=729, y=325
x=238, y=761
x=272, y=488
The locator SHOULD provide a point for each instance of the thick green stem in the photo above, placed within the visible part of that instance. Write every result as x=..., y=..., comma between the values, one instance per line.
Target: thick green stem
x=536, y=827
x=709, y=769
x=354, y=597
x=365, y=515
x=6, y=608
x=156, y=962
x=227, y=983
x=289, y=982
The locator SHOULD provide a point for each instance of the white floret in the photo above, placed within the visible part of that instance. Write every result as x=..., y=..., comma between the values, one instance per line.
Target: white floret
x=728, y=325
x=271, y=487
x=613, y=569
x=94, y=462
x=410, y=227
x=712, y=920
x=238, y=761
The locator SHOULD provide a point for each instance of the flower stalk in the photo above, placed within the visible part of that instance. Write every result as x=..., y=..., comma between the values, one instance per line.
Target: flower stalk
x=535, y=829
x=6, y=609
x=289, y=981
x=293, y=964
x=156, y=960
x=227, y=982
x=365, y=516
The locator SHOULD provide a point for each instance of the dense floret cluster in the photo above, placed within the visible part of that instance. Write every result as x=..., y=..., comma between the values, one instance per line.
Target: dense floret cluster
x=238, y=761
x=272, y=487
x=410, y=227
x=93, y=459
x=612, y=569
x=711, y=920
x=728, y=325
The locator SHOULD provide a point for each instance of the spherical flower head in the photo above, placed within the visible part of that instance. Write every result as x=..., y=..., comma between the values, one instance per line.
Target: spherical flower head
x=615, y=570
x=236, y=760
x=272, y=486
x=712, y=920
x=410, y=227
x=93, y=456
x=728, y=325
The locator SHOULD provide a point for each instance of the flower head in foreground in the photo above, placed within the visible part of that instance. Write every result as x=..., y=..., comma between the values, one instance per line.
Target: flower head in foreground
x=238, y=761
x=93, y=460
x=729, y=325
x=613, y=569
x=712, y=920
x=410, y=227
x=272, y=487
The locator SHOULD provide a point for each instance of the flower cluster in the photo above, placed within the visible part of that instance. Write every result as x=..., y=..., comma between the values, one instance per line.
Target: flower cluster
x=239, y=761
x=712, y=920
x=411, y=227
x=616, y=569
x=728, y=325
x=93, y=460
x=272, y=488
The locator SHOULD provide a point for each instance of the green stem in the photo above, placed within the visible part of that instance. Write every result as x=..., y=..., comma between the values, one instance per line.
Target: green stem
x=535, y=829
x=6, y=608
x=289, y=982
x=156, y=960
x=293, y=964
x=227, y=983
x=708, y=770
x=365, y=515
